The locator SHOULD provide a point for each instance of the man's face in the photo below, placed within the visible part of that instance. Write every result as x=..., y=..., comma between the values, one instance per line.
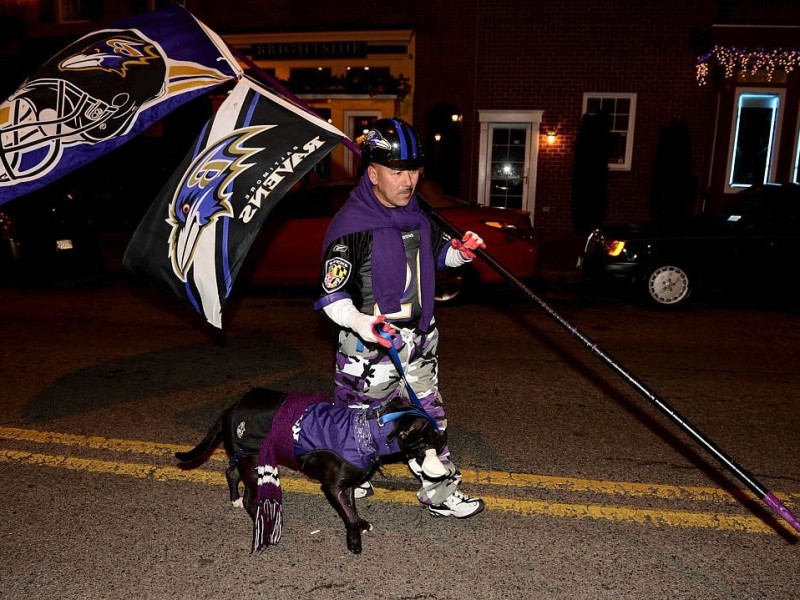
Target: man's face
x=392, y=187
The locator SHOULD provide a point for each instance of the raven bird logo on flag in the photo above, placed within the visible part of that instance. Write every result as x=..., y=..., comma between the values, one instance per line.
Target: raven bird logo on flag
x=101, y=91
x=204, y=194
x=193, y=239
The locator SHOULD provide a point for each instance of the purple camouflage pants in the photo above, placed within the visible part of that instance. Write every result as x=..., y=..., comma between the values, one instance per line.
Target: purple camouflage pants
x=365, y=374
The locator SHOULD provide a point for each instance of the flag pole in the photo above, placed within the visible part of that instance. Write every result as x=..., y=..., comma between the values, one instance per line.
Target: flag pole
x=746, y=478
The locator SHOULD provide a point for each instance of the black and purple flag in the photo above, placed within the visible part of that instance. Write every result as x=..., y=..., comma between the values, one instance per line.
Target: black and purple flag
x=104, y=89
x=193, y=239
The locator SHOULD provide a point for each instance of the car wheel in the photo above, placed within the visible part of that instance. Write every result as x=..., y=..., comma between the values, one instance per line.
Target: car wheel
x=668, y=285
x=449, y=286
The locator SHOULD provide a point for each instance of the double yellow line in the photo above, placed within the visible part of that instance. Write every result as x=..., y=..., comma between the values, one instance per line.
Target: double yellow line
x=496, y=480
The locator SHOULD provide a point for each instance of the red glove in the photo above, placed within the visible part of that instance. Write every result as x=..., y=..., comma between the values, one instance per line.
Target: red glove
x=381, y=324
x=471, y=241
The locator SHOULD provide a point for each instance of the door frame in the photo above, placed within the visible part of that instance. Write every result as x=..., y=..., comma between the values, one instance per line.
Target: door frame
x=348, y=118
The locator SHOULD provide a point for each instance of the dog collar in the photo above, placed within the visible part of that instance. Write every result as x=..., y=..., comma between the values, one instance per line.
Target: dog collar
x=411, y=411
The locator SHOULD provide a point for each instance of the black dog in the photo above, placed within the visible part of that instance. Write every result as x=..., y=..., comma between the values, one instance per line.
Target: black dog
x=336, y=445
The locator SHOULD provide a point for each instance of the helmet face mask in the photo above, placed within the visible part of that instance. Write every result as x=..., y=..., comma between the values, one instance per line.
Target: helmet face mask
x=392, y=143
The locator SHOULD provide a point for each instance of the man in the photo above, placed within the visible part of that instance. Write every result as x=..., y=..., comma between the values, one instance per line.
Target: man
x=380, y=256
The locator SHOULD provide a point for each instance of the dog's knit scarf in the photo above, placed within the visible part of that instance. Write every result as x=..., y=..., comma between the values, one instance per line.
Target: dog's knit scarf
x=277, y=448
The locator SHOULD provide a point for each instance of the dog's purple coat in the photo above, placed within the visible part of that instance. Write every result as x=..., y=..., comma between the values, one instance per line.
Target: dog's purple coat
x=245, y=426
x=345, y=431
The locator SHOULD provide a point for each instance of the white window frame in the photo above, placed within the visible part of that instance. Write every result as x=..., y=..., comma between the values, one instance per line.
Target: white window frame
x=796, y=152
x=776, y=140
x=527, y=118
x=628, y=133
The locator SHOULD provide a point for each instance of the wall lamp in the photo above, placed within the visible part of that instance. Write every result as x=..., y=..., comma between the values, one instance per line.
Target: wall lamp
x=551, y=136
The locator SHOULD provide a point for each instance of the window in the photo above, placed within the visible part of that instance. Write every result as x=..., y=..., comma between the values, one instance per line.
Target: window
x=307, y=80
x=509, y=148
x=359, y=74
x=754, y=137
x=509, y=143
x=621, y=109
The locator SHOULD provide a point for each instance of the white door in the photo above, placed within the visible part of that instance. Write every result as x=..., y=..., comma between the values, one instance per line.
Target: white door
x=508, y=157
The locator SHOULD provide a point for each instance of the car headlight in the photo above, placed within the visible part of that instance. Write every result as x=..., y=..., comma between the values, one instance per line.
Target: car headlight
x=613, y=247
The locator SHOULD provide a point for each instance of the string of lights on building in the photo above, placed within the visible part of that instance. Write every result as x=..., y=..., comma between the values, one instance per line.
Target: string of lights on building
x=735, y=60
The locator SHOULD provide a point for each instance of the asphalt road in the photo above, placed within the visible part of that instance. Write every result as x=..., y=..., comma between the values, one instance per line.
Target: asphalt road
x=591, y=492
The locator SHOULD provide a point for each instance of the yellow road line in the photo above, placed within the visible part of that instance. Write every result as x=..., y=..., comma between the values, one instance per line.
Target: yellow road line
x=137, y=470
x=617, y=514
x=94, y=442
x=480, y=477
x=593, y=486
x=638, y=516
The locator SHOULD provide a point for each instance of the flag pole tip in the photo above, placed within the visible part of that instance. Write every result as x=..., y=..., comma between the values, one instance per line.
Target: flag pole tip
x=784, y=512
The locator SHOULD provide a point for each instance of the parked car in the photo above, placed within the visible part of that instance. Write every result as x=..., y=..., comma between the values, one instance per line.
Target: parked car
x=753, y=246
x=288, y=250
x=47, y=237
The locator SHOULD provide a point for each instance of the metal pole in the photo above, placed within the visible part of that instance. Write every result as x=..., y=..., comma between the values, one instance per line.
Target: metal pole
x=751, y=482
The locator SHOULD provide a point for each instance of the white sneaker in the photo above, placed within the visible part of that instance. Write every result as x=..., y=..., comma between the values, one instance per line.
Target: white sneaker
x=457, y=505
x=364, y=490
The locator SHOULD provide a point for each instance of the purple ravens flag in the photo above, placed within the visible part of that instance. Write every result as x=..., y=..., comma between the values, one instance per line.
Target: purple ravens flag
x=194, y=237
x=102, y=90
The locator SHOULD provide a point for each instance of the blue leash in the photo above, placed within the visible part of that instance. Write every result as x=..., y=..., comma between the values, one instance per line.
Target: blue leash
x=417, y=409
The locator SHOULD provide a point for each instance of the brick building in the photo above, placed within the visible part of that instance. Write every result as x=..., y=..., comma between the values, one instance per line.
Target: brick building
x=486, y=81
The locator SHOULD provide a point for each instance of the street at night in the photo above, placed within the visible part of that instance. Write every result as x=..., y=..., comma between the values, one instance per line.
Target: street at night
x=591, y=492
x=208, y=210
